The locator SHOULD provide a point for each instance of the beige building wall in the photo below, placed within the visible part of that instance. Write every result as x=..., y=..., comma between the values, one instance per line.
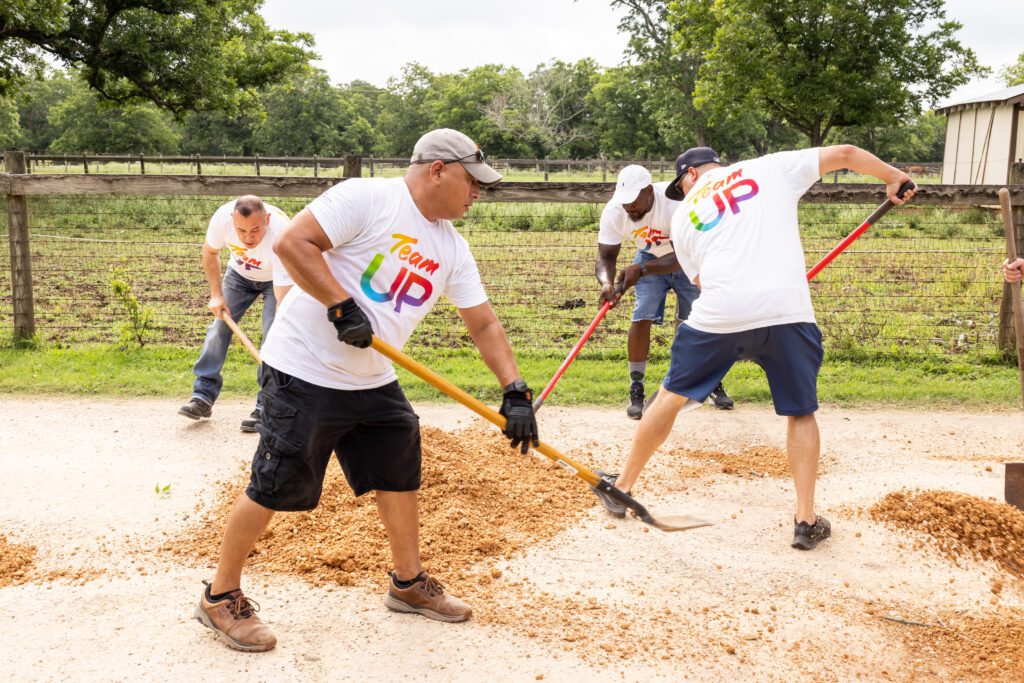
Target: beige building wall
x=977, y=148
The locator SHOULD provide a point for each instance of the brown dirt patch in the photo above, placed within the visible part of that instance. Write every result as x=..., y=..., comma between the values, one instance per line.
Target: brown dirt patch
x=755, y=461
x=985, y=648
x=16, y=562
x=959, y=525
x=480, y=502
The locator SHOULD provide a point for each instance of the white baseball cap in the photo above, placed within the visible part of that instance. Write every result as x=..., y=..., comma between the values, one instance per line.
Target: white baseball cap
x=632, y=179
x=448, y=145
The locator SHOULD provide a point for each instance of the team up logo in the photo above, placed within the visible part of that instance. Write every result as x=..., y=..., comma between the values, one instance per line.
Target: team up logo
x=243, y=259
x=408, y=287
x=651, y=237
x=725, y=194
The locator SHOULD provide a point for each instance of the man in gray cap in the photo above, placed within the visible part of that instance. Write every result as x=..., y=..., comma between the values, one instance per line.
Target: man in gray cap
x=369, y=257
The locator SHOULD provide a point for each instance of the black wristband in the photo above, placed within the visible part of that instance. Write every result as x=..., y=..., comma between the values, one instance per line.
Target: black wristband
x=340, y=309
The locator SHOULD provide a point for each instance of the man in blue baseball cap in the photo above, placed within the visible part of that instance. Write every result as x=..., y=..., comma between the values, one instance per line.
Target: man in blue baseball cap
x=736, y=236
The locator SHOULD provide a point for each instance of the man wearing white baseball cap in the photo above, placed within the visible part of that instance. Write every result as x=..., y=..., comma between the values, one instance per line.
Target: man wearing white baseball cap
x=370, y=256
x=640, y=212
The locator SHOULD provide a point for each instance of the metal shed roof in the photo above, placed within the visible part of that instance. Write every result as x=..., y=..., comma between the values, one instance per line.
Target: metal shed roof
x=1013, y=95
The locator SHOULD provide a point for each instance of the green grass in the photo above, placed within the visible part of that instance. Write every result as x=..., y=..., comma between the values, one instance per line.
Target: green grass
x=598, y=378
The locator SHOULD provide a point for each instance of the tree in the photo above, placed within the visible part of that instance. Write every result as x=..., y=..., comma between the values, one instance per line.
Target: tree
x=216, y=132
x=179, y=54
x=821, y=64
x=1013, y=74
x=87, y=124
x=920, y=138
x=621, y=104
x=10, y=129
x=548, y=111
x=306, y=115
x=36, y=99
x=460, y=101
x=403, y=116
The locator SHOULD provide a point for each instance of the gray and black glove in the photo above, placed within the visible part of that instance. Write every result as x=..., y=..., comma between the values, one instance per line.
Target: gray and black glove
x=352, y=324
x=520, y=423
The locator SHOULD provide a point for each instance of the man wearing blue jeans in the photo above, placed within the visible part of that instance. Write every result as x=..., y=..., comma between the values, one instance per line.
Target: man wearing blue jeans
x=640, y=212
x=247, y=228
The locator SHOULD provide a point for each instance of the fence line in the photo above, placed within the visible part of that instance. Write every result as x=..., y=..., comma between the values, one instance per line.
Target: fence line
x=924, y=278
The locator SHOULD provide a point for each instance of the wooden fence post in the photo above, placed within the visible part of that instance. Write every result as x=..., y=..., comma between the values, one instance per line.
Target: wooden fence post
x=545, y=169
x=257, y=164
x=316, y=165
x=199, y=165
x=142, y=164
x=371, y=165
x=353, y=166
x=21, y=254
x=85, y=164
x=1006, y=338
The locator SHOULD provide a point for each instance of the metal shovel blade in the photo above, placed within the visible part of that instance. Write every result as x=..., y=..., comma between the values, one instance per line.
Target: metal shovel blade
x=669, y=523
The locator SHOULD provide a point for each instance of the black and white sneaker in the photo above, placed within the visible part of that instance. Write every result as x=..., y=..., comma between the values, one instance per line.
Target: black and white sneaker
x=721, y=399
x=195, y=409
x=612, y=505
x=636, y=401
x=250, y=423
x=808, y=536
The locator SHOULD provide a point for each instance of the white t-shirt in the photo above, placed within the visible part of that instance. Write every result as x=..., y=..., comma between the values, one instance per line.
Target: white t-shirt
x=258, y=263
x=737, y=229
x=393, y=262
x=650, y=234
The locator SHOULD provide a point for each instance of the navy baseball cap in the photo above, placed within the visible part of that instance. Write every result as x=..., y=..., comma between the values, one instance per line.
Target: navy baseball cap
x=695, y=156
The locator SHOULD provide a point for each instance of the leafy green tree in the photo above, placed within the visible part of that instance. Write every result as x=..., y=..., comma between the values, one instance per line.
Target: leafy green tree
x=216, y=132
x=623, y=115
x=459, y=101
x=921, y=138
x=10, y=129
x=548, y=111
x=36, y=99
x=87, y=124
x=1013, y=74
x=179, y=54
x=822, y=64
x=306, y=115
x=403, y=114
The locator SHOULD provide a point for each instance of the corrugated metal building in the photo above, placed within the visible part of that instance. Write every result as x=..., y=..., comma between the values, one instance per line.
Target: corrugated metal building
x=984, y=135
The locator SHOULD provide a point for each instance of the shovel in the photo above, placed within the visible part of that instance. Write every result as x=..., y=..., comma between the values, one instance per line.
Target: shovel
x=669, y=523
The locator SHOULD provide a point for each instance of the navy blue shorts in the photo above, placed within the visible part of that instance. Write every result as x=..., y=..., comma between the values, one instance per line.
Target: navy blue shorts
x=373, y=432
x=790, y=356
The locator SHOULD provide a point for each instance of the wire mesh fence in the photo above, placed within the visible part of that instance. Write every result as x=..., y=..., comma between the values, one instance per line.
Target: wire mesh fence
x=922, y=280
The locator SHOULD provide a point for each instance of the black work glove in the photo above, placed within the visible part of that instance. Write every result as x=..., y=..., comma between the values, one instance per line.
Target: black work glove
x=520, y=423
x=352, y=324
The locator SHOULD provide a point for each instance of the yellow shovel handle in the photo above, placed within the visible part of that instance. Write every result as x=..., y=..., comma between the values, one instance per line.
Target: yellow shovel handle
x=477, y=406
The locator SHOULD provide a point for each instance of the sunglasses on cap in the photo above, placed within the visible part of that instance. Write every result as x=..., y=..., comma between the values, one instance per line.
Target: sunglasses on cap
x=477, y=156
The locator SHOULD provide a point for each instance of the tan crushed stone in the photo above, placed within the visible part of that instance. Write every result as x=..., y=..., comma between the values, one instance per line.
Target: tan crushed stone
x=16, y=562
x=958, y=525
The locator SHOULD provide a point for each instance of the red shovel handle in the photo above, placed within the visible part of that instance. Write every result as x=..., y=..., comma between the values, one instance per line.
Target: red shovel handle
x=861, y=229
x=572, y=355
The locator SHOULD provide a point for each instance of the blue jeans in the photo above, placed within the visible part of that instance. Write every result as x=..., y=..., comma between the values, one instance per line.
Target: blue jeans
x=239, y=294
x=651, y=291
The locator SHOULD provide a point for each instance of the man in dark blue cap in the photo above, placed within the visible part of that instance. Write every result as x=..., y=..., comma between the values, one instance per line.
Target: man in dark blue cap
x=736, y=236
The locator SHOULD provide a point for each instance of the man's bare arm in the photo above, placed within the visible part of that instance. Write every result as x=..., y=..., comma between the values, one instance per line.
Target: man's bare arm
x=300, y=248
x=838, y=157
x=490, y=339
x=211, y=268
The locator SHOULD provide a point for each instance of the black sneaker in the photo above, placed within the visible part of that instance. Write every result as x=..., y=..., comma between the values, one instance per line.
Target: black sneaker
x=250, y=423
x=195, y=409
x=808, y=536
x=612, y=505
x=721, y=399
x=636, y=401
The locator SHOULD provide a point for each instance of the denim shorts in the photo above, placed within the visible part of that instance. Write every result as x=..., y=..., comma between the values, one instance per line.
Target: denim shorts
x=651, y=291
x=373, y=432
x=790, y=355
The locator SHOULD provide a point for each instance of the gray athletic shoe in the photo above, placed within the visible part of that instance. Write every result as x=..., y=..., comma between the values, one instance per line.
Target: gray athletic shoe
x=808, y=536
x=636, y=401
x=612, y=505
x=721, y=399
x=196, y=409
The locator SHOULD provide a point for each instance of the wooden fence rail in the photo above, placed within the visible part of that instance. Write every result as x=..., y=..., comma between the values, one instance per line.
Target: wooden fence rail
x=20, y=185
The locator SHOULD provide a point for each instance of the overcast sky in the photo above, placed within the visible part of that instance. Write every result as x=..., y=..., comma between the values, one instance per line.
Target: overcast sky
x=371, y=40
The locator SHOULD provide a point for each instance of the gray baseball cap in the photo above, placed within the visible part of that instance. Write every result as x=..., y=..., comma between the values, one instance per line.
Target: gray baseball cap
x=448, y=145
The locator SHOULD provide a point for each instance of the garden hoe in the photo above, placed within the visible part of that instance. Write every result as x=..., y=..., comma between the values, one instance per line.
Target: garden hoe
x=670, y=523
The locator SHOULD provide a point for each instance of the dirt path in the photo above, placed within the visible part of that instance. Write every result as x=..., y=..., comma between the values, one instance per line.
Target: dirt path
x=603, y=599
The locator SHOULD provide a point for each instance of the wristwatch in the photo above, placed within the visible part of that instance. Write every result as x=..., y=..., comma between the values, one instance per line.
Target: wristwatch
x=519, y=385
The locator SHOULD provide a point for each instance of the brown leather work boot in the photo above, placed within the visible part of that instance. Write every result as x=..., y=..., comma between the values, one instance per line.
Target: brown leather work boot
x=234, y=621
x=426, y=597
